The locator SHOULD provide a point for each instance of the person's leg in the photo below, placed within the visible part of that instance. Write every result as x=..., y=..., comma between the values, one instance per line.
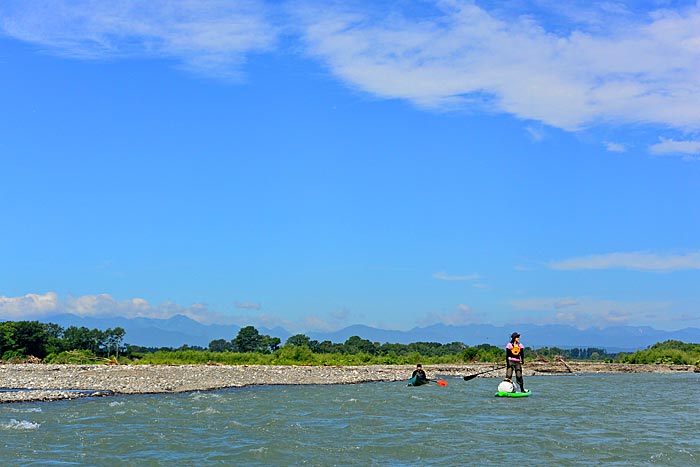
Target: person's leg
x=519, y=376
x=509, y=369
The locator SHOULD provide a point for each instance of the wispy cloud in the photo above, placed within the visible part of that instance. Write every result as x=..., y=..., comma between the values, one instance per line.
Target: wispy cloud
x=594, y=63
x=247, y=305
x=330, y=321
x=615, y=147
x=637, y=261
x=688, y=150
x=536, y=134
x=44, y=306
x=443, y=276
x=461, y=315
x=602, y=66
x=585, y=311
x=207, y=36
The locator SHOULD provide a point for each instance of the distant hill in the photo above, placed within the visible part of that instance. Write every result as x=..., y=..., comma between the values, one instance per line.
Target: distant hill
x=180, y=330
x=149, y=332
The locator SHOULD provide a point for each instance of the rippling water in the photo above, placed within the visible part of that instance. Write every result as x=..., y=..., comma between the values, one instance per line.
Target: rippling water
x=596, y=420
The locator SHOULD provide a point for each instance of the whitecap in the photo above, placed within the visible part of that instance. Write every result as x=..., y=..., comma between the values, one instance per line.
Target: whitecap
x=205, y=395
x=26, y=410
x=20, y=425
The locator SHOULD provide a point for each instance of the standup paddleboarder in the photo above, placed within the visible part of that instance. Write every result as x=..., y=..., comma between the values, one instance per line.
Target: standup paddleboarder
x=515, y=356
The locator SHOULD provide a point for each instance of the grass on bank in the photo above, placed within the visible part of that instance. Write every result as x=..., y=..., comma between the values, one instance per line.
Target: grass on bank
x=670, y=352
x=285, y=356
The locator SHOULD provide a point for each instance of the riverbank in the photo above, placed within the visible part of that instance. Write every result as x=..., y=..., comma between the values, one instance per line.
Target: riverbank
x=39, y=382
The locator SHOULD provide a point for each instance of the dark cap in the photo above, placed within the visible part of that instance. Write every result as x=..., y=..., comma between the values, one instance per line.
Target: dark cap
x=514, y=335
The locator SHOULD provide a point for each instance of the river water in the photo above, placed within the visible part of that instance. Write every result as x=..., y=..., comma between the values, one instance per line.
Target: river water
x=584, y=420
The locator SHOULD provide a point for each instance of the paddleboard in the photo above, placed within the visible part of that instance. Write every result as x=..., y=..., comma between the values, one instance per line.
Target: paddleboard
x=513, y=394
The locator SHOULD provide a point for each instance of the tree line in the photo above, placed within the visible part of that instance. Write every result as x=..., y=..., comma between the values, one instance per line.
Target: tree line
x=51, y=343
x=250, y=340
x=20, y=339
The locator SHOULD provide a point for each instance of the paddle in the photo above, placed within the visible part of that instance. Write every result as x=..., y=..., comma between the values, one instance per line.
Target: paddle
x=440, y=382
x=470, y=377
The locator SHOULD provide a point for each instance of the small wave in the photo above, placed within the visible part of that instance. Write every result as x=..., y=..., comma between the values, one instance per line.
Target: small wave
x=259, y=450
x=205, y=395
x=20, y=425
x=208, y=410
x=26, y=410
x=115, y=404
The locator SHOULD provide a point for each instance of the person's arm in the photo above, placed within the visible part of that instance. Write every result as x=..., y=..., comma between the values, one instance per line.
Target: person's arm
x=522, y=354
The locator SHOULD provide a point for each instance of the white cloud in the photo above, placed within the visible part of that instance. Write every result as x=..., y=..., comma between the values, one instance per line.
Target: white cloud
x=14, y=308
x=608, y=67
x=43, y=306
x=688, y=150
x=205, y=36
x=637, y=261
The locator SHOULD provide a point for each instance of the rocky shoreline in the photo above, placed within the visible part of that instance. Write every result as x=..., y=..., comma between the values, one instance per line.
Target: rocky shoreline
x=39, y=382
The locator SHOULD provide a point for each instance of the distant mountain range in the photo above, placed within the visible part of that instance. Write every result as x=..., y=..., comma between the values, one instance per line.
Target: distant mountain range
x=180, y=330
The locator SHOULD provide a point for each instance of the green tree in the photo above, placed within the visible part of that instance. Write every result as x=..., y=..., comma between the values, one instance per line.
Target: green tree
x=31, y=338
x=113, y=339
x=270, y=344
x=329, y=347
x=299, y=340
x=356, y=344
x=247, y=340
x=469, y=354
x=77, y=338
x=7, y=337
x=219, y=345
x=250, y=340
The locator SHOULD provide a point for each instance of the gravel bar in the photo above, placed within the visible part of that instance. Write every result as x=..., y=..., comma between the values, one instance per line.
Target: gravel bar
x=40, y=382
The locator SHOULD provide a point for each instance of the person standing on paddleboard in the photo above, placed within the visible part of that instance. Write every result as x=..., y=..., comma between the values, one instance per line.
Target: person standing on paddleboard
x=515, y=356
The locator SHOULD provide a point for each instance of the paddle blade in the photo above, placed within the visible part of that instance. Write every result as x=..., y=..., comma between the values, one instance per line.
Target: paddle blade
x=470, y=377
x=441, y=382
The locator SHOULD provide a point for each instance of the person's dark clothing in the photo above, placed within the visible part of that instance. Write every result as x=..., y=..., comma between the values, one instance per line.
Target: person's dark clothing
x=420, y=374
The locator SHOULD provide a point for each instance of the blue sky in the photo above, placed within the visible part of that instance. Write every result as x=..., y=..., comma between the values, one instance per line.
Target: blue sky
x=388, y=163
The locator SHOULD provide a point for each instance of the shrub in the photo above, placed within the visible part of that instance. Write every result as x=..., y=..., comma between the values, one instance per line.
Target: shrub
x=294, y=354
x=79, y=357
x=14, y=356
